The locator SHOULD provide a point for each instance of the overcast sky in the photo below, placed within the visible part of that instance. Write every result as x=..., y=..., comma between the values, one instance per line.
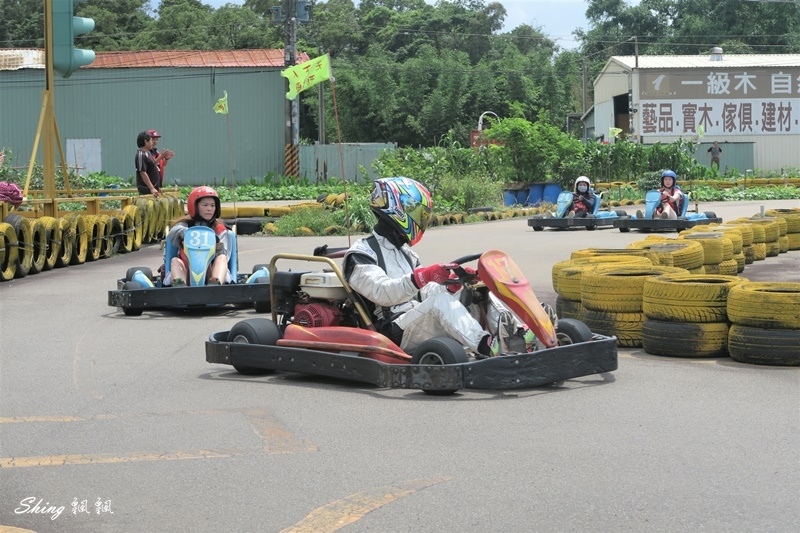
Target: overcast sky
x=556, y=18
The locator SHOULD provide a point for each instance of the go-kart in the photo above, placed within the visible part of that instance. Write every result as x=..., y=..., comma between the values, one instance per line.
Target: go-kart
x=561, y=221
x=650, y=221
x=321, y=326
x=140, y=289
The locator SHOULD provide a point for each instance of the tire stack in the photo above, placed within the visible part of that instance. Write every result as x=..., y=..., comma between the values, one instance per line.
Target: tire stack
x=758, y=250
x=685, y=253
x=612, y=298
x=765, y=326
x=686, y=314
x=33, y=245
x=792, y=217
x=734, y=233
x=567, y=280
x=717, y=251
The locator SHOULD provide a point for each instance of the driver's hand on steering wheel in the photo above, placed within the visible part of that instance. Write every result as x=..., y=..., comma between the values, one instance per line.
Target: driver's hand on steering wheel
x=468, y=275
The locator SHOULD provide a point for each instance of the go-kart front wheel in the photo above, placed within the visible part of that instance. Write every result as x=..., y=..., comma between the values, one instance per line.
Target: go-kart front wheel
x=254, y=331
x=440, y=351
x=132, y=286
x=571, y=331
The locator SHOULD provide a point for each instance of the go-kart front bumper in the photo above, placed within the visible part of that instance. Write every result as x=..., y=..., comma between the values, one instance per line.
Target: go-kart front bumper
x=211, y=295
x=539, y=222
x=517, y=371
x=657, y=224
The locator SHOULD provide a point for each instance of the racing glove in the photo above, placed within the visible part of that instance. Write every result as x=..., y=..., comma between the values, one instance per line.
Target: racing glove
x=455, y=287
x=433, y=273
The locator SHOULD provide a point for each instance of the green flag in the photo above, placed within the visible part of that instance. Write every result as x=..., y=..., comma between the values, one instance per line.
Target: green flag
x=222, y=104
x=306, y=75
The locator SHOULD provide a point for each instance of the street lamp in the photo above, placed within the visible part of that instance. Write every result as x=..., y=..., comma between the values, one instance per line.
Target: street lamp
x=480, y=120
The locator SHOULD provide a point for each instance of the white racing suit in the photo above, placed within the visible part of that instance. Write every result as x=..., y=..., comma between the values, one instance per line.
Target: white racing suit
x=421, y=314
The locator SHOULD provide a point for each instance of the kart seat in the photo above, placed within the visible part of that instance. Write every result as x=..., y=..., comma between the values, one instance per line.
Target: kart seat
x=170, y=251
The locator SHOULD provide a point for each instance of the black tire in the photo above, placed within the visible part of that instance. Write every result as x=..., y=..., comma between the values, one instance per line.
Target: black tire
x=571, y=331
x=538, y=228
x=259, y=266
x=264, y=306
x=132, y=270
x=440, y=351
x=130, y=286
x=620, y=213
x=254, y=331
x=761, y=346
x=685, y=339
x=624, y=230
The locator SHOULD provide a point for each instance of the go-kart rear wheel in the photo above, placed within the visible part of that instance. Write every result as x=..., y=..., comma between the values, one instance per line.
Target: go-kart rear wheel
x=131, y=286
x=571, y=331
x=132, y=270
x=440, y=351
x=254, y=331
x=262, y=306
x=624, y=230
x=538, y=228
x=710, y=214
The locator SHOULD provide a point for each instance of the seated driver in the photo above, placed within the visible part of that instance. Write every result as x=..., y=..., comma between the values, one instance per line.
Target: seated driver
x=672, y=197
x=412, y=303
x=583, y=199
x=204, y=209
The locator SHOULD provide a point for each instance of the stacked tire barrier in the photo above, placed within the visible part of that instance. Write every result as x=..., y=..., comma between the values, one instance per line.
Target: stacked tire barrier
x=765, y=319
x=687, y=254
x=33, y=245
x=686, y=314
x=612, y=298
x=717, y=251
x=792, y=218
x=567, y=275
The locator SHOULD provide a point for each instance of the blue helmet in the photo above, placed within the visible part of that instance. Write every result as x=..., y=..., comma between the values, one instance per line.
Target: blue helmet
x=669, y=174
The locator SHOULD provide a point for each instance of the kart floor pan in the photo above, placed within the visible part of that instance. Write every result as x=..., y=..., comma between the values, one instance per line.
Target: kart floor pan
x=507, y=372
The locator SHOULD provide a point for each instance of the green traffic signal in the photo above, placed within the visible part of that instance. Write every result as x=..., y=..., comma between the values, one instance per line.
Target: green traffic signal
x=66, y=58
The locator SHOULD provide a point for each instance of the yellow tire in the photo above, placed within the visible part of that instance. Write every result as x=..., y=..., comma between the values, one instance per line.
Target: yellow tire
x=716, y=246
x=123, y=231
x=67, y=242
x=9, y=251
x=688, y=297
x=52, y=230
x=80, y=245
x=686, y=253
x=765, y=305
x=138, y=226
x=39, y=243
x=107, y=242
x=94, y=237
x=573, y=286
x=618, y=288
x=24, y=230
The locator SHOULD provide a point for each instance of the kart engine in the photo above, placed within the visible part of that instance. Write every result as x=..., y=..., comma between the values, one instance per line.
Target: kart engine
x=317, y=315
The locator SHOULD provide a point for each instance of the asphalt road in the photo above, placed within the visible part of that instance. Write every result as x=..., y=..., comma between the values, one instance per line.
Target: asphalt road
x=122, y=418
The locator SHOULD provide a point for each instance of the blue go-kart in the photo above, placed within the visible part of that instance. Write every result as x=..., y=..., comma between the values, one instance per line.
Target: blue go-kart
x=651, y=222
x=560, y=220
x=140, y=289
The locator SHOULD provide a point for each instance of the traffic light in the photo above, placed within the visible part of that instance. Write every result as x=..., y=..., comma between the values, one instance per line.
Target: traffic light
x=66, y=58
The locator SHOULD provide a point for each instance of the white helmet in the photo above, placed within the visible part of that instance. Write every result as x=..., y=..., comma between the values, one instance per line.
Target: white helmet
x=583, y=179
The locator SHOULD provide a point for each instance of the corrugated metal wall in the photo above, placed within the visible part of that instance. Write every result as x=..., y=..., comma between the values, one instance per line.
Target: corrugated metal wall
x=320, y=162
x=735, y=155
x=114, y=105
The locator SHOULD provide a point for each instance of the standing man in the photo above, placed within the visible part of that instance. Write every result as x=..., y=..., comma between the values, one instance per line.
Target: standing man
x=148, y=179
x=715, y=152
x=160, y=158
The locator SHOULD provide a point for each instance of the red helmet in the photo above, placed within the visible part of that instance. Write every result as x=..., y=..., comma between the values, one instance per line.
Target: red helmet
x=197, y=194
x=153, y=133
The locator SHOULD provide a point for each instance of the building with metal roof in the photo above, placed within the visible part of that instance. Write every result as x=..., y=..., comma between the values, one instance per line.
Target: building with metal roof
x=101, y=109
x=750, y=104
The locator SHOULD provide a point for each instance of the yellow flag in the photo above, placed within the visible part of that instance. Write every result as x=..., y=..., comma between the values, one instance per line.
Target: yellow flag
x=615, y=131
x=306, y=75
x=222, y=104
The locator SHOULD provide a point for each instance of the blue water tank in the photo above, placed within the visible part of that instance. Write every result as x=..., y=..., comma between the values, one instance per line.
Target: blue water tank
x=535, y=193
x=551, y=192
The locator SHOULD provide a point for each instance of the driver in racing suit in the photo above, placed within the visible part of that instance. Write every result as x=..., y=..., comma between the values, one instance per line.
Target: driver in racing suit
x=413, y=304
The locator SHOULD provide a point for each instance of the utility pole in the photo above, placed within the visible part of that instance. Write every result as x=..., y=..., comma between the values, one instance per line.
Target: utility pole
x=292, y=134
